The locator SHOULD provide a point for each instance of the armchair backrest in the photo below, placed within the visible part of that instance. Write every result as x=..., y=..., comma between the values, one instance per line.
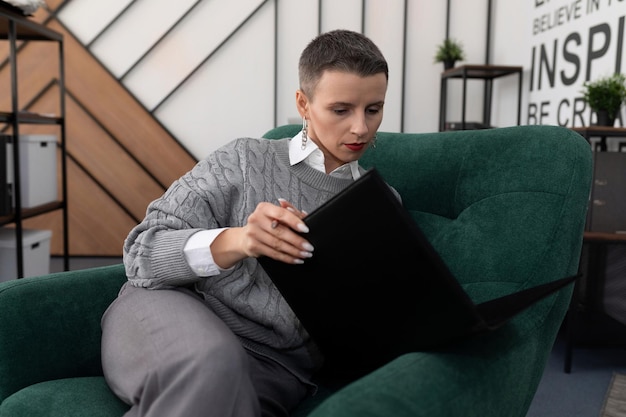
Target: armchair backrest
x=504, y=207
x=506, y=210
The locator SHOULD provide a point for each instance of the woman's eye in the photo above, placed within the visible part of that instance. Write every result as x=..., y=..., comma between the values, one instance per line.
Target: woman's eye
x=340, y=111
x=373, y=110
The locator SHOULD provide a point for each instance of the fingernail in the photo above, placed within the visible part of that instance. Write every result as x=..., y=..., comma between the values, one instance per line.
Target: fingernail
x=303, y=228
x=291, y=209
x=307, y=247
x=306, y=254
x=298, y=261
x=282, y=199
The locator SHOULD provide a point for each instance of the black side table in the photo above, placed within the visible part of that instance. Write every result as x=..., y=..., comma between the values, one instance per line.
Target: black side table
x=482, y=72
x=587, y=324
x=602, y=132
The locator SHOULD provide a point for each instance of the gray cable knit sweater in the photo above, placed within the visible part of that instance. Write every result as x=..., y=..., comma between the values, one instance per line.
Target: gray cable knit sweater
x=221, y=191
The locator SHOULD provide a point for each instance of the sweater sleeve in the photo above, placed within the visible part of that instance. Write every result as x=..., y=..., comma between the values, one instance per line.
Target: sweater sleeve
x=153, y=250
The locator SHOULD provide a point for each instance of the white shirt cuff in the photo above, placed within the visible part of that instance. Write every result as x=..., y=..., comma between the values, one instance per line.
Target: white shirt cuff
x=198, y=254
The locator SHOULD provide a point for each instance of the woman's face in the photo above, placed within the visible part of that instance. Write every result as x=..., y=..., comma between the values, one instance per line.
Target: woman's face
x=344, y=114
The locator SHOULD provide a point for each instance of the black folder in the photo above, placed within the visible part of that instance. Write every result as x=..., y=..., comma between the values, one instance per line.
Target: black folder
x=375, y=287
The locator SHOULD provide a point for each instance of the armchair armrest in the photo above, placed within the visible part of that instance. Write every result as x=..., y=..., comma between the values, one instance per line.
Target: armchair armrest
x=50, y=325
x=490, y=375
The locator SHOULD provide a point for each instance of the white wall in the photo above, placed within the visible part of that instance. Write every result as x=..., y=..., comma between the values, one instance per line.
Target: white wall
x=217, y=73
x=582, y=40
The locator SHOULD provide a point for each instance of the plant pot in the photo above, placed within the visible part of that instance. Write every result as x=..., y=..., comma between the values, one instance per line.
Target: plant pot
x=449, y=63
x=604, y=119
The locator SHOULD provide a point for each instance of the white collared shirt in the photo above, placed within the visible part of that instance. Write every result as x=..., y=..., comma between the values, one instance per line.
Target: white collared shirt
x=312, y=156
x=197, y=250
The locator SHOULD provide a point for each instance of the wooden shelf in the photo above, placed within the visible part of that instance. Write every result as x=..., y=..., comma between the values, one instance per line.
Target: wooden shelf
x=602, y=132
x=483, y=72
x=33, y=211
x=29, y=118
x=24, y=29
x=604, y=237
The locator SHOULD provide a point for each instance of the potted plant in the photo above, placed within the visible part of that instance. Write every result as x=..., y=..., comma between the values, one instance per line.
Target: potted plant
x=605, y=96
x=448, y=52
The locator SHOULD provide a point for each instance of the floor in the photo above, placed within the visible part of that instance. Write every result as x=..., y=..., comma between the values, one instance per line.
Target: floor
x=581, y=392
x=577, y=394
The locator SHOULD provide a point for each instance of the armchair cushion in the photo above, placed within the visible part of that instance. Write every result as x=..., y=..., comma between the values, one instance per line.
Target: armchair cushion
x=65, y=397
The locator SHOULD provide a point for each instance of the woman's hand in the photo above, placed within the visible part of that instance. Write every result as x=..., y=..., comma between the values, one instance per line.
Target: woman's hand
x=272, y=230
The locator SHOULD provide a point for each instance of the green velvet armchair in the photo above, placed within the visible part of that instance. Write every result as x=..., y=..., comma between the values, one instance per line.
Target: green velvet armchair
x=504, y=207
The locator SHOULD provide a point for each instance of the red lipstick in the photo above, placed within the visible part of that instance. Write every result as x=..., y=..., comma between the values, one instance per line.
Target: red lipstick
x=355, y=146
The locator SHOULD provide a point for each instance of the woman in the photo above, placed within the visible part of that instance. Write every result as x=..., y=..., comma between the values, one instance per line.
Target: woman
x=199, y=329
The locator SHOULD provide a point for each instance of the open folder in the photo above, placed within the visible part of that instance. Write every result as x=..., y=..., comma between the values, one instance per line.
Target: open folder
x=375, y=288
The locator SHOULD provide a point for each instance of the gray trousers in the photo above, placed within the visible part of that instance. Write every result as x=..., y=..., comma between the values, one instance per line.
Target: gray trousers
x=167, y=354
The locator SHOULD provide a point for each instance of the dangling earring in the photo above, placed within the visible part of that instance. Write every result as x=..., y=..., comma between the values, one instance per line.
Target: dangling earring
x=305, y=134
x=373, y=142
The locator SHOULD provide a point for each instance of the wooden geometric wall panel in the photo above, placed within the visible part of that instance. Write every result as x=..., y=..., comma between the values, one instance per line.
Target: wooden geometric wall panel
x=119, y=156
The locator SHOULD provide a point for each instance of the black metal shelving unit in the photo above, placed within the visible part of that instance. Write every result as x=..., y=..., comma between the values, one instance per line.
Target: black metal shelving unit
x=14, y=28
x=486, y=73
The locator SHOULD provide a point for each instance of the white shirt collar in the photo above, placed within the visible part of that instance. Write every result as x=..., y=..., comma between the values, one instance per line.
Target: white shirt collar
x=313, y=157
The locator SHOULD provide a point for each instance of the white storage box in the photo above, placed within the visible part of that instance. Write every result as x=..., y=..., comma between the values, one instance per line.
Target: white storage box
x=38, y=169
x=36, y=250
